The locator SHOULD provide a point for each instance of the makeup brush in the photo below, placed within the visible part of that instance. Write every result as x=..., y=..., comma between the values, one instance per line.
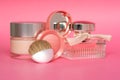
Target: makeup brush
x=41, y=51
x=84, y=36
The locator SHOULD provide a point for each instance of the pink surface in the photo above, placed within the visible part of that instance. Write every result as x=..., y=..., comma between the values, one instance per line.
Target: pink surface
x=106, y=15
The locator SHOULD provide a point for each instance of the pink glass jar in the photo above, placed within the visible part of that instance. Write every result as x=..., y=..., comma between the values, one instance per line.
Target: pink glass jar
x=89, y=48
x=22, y=35
x=83, y=27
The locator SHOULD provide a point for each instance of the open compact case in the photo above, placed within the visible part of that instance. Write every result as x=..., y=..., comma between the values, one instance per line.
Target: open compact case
x=59, y=21
x=58, y=37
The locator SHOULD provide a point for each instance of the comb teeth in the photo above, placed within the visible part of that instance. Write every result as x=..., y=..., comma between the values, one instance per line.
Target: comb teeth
x=83, y=52
x=38, y=45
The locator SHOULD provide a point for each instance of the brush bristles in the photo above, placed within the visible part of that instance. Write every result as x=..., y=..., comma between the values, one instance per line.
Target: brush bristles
x=38, y=46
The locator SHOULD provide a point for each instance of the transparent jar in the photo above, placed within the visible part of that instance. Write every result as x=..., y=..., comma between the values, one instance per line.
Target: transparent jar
x=22, y=35
x=88, y=48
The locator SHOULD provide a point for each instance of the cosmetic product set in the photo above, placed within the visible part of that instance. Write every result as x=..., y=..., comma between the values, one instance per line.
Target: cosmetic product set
x=58, y=37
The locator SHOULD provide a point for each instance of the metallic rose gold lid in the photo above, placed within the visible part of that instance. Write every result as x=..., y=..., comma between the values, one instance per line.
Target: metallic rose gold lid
x=59, y=21
x=26, y=29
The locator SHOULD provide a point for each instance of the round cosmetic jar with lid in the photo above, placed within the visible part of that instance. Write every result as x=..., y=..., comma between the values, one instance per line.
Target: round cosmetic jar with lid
x=83, y=27
x=88, y=48
x=22, y=35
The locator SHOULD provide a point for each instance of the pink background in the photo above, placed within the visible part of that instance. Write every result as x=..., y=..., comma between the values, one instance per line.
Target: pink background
x=106, y=15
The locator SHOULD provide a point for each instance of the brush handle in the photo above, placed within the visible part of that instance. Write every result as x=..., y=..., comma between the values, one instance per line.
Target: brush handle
x=105, y=37
x=81, y=37
x=77, y=39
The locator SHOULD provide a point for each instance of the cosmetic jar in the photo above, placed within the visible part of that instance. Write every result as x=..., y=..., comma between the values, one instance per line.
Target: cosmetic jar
x=22, y=35
x=89, y=48
x=83, y=27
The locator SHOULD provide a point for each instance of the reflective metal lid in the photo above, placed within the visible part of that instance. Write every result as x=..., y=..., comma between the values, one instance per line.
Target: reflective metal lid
x=59, y=21
x=60, y=26
x=83, y=25
x=26, y=29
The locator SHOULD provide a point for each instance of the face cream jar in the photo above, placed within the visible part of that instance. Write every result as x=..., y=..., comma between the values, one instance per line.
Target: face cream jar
x=85, y=45
x=89, y=49
x=22, y=35
x=83, y=27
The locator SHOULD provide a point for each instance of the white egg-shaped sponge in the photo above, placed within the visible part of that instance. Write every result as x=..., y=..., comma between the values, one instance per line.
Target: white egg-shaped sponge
x=43, y=56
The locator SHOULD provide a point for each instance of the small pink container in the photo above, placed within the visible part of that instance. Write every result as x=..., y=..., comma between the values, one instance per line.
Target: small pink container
x=89, y=48
x=55, y=40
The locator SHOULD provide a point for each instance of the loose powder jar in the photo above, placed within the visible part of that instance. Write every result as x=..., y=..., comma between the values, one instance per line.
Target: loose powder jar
x=22, y=35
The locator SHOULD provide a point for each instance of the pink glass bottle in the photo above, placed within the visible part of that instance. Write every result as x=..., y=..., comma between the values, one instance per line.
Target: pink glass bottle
x=22, y=35
x=89, y=48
